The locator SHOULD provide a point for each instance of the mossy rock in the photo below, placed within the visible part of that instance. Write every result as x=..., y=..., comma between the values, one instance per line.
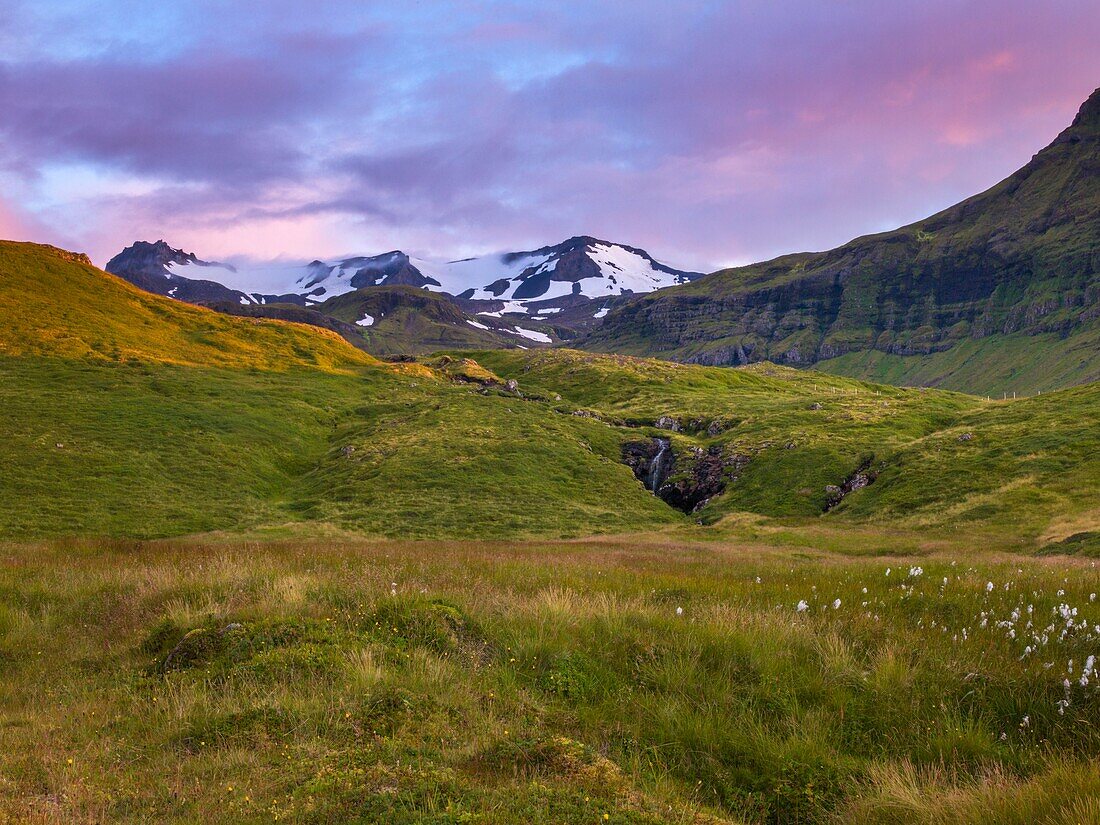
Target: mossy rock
x=558, y=756
x=202, y=646
x=436, y=625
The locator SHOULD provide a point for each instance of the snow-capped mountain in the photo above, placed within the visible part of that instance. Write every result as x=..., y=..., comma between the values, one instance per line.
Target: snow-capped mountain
x=581, y=267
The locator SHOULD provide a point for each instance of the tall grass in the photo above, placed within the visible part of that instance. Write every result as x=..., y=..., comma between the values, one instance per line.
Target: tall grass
x=562, y=682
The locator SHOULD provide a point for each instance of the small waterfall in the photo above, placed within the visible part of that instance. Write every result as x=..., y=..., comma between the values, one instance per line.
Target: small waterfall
x=658, y=467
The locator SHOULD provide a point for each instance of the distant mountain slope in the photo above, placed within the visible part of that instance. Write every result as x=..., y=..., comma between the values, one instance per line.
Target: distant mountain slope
x=581, y=266
x=403, y=320
x=55, y=303
x=1019, y=260
x=517, y=299
x=161, y=269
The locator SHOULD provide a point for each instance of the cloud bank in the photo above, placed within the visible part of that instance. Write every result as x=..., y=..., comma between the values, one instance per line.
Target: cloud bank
x=708, y=133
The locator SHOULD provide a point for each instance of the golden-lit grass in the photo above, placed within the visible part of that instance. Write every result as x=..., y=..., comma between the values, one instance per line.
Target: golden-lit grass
x=53, y=304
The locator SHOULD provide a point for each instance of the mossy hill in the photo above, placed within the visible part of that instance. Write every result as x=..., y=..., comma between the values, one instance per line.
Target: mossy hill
x=998, y=293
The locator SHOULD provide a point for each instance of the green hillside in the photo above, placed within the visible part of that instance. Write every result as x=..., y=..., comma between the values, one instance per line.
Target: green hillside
x=411, y=321
x=993, y=366
x=943, y=460
x=114, y=429
x=439, y=592
x=948, y=301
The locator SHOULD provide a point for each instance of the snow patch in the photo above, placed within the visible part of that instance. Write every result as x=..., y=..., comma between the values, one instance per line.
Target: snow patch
x=626, y=271
x=534, y=335
x=365, y=321
x=603, y=311
x=476, y=324
x=509, y=306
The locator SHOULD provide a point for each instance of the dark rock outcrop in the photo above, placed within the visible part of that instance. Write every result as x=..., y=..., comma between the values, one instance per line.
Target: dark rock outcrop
x=667, y=422
x=686, y=480
x=700, y=476
x=651, y=461
x=388, y=269
x=863, y=476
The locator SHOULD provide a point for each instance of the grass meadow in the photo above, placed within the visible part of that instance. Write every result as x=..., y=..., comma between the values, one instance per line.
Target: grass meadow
x=622, y=679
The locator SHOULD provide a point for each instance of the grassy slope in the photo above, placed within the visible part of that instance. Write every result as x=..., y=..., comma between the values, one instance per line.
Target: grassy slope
x=511, y=682
x=997, y=364
x=54, y=305
x=153, y=450
x=1021, y=474
x=478, y=683
x=153, y=446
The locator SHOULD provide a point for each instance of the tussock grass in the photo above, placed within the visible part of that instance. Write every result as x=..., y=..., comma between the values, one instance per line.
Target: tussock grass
x=648, y=680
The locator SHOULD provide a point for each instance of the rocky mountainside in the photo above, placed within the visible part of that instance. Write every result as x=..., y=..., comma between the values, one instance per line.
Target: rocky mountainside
x=562, y=275
x=580, y=266
x=158, y=268
x=1019, y=260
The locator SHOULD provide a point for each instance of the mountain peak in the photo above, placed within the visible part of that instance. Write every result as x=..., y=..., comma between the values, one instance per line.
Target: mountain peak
x=1085, y=127
x=1088, y=118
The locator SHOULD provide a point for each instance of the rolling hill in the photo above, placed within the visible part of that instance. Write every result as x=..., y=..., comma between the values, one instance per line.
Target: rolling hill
x=130, y=414
x=998, y=293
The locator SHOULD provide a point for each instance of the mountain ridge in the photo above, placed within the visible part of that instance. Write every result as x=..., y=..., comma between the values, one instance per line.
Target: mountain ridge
x=1020, y=258
x=579, y=266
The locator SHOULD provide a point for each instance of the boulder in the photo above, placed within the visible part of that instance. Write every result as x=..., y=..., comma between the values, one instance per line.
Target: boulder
x=667, y=422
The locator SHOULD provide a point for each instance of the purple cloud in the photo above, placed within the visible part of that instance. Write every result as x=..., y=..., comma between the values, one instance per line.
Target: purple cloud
x=197, y=116
x=707, y=133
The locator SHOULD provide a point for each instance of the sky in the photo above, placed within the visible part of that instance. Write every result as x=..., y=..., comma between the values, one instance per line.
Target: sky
x=708, y=133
